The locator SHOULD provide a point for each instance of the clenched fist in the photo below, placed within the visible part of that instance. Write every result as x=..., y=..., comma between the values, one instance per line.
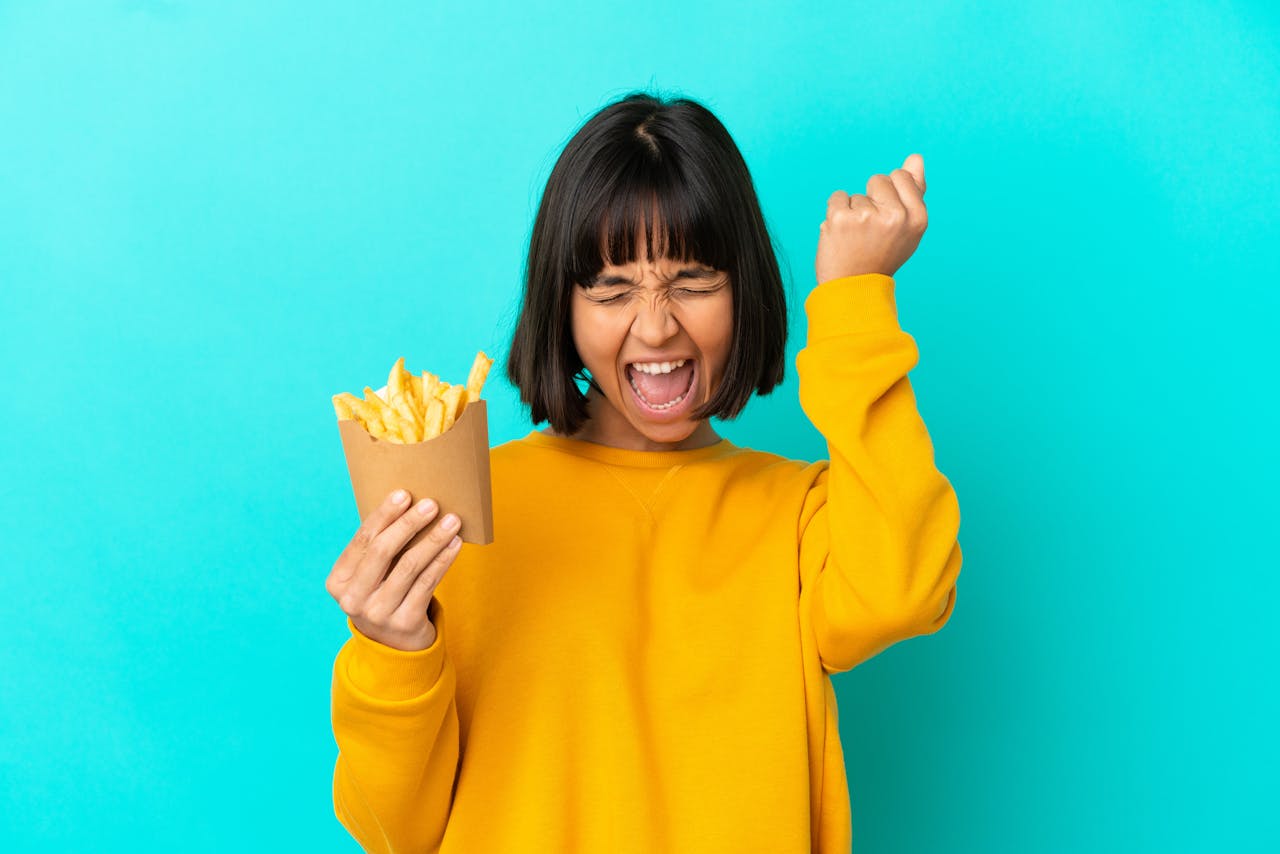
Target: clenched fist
x=875, y=233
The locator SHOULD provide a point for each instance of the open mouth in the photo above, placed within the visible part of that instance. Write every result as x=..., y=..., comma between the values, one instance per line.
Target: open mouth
x=664, y=396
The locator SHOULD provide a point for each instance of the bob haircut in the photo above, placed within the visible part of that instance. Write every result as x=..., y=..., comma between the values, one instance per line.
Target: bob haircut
x=668, y=169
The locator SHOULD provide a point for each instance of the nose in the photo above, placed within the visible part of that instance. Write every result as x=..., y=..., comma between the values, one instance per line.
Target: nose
x=654, y=323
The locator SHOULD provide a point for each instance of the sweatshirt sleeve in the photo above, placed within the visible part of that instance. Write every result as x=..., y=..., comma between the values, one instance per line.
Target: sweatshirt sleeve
x=395, y=720
x=879, y=556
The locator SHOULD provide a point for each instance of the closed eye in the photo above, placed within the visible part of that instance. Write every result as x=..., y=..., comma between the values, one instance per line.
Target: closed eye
x=689, y=291
x=704, y=273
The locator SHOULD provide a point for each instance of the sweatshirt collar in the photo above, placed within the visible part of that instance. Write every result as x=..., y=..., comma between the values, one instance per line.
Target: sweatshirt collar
x=627, y=457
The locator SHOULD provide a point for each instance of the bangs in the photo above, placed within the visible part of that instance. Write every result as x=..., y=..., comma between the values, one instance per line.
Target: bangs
x=648, y=203
x=649, y=178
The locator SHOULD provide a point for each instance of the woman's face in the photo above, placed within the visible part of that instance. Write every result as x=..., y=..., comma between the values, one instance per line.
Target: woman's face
x=651, y=312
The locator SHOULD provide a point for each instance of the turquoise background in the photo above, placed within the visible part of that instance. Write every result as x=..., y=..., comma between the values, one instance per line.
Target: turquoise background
x=213, y=216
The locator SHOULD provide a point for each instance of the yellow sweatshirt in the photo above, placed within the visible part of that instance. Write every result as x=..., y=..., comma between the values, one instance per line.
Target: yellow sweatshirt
x=641, y=660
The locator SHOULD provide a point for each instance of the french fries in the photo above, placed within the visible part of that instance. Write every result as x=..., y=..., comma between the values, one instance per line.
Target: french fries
x=412, y=408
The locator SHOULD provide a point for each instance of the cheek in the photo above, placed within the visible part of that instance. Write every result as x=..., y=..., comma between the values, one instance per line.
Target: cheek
x=715, y=332
x=597, y=340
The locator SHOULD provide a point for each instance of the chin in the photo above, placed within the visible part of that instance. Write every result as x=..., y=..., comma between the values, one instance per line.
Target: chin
x=676, y=431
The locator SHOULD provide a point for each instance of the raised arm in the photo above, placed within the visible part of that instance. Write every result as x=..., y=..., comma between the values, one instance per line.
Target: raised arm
x=878, y=551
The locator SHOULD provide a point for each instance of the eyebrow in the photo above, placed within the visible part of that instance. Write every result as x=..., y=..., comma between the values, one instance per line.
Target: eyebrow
x=688, y=272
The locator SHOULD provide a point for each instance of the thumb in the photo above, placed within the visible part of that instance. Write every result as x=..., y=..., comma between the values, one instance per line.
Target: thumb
x=915, y=165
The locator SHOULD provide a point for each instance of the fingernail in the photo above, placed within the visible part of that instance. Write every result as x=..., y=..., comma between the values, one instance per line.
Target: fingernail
x=450, y=522
x=425, y=506
x=399, y=496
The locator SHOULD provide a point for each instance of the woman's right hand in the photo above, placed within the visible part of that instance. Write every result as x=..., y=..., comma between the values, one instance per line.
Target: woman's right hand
x=388, y=603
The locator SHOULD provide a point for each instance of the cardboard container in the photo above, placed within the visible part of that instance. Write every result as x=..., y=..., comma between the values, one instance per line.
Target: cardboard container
x=452, y=468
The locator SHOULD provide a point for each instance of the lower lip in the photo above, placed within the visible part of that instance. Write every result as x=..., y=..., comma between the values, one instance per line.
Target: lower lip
x=673, y=413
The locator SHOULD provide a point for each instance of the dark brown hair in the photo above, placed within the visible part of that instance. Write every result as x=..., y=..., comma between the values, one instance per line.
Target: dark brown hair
x=671, y=169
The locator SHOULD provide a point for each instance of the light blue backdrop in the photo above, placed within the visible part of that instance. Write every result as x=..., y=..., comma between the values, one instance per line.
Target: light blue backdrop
x=213, y=216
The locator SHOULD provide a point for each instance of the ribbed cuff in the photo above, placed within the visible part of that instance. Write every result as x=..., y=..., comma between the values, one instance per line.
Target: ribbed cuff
x=396, y=674
x=851, y=304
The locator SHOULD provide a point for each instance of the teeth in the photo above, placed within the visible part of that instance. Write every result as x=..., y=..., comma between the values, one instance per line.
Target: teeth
x=657, y=367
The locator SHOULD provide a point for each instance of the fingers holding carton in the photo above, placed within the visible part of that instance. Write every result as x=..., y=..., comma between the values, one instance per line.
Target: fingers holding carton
x=383, y=586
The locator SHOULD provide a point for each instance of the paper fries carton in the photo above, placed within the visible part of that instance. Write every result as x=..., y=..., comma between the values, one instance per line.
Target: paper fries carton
x=452, y=468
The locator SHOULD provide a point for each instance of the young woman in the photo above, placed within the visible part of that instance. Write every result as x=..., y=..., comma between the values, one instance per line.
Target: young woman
x=641, y=661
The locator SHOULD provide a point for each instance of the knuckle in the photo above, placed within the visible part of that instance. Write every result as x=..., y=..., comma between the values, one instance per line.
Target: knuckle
x=430, y=578
x=434, y=571
x=350, y=604
x=407, y=524
x=378, y=553
x=439, y=563
x=397, y=533
x=404, y=623
x=416, y=557
x=362, y=538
